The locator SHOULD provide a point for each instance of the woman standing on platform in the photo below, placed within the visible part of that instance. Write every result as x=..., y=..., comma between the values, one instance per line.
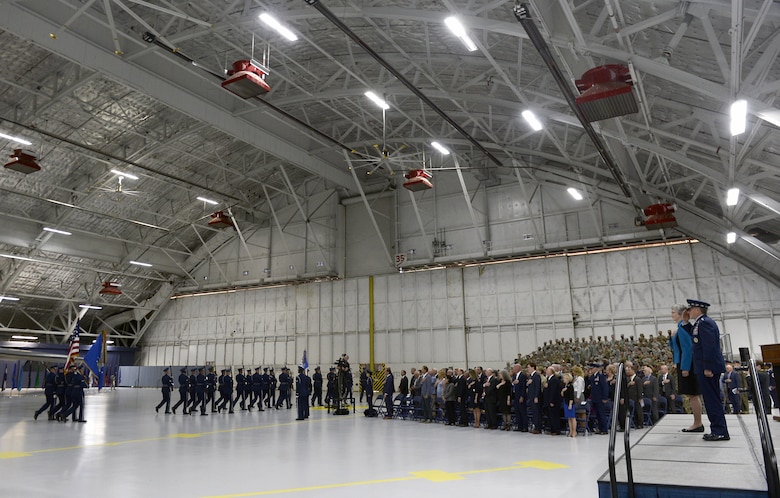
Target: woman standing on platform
x=682, y=353
x=505, y=399
x=567, y=394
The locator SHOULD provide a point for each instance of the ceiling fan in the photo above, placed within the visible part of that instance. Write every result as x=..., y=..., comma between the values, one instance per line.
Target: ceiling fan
x=119, y=189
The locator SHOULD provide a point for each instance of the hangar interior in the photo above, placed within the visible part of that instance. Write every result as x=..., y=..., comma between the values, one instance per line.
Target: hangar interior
x=218, y=186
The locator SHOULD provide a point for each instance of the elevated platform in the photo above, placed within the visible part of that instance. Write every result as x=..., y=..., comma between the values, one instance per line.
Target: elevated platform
x=674, y=464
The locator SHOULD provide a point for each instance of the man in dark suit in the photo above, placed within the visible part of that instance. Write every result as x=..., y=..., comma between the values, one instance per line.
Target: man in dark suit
x=708, y=364
x=668, y=385
x=552, y=401
x=519, y=397
x=367, y=387
x=634, y=393
x=731, y=386
x=490, y=398
x=403, y=386
x=650, y=390
x=534, y=384
x=462, y=397
x=428, y=393
x=388, y=390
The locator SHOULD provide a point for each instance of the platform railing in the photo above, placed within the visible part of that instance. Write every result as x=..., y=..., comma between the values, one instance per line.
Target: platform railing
x=764, y=434
x=626, y=424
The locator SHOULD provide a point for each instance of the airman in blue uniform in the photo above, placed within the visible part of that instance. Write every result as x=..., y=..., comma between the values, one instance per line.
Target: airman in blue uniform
x=257, y=390
x=227, y=395
x=183, y=389
x=200, y=391
x=240, y=385
x=302, y=392
x=167, y=386
x=708, y=364
x=211, y=387
x=284, y=385
x=49, y=388
x=77, y=384
x=265, y=387
x=317, y=391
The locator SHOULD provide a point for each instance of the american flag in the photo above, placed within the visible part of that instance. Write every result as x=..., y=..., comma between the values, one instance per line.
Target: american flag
x=73, y=350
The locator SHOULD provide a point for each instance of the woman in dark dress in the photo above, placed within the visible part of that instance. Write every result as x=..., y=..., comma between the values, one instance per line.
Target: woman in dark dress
x=474, y=389
x=567, y=393
x=505, y=398
x=682, y=354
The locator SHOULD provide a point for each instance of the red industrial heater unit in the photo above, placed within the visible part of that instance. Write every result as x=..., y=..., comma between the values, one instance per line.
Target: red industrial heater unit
x=660, y=216
x=247, y=79
x=23, y=161
x=221, y=220
x=111, y=289
x=606, y=92
x=418, y=179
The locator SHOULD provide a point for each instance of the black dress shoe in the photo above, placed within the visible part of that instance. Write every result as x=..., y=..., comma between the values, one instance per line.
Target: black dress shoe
x=696, y=429
x=167, y=413
x=716, y=437
x=35, y=417
x=157, y=409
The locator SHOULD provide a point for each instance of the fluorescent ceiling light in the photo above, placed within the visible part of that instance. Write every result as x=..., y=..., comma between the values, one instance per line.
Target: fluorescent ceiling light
x=13, y=256
x=732, y=196
x=90, y=307
x=109, y=342
x=126, y=175
x=24, y=337
x=139, y=263
x=207, y=201
x=731, y=237
x=458, y=30
x=8, y=298
x=18, y=140
x=574, y=193
x=272, y=22
x=534, y=123
x=376, y=100
x=54, y=230
x=738, y=117
x=444, y=150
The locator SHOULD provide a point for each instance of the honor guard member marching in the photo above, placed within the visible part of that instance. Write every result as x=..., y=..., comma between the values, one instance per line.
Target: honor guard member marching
x=167, y=386
x=317, y=394
x=49, y=388
x=265, y=386
x=211, y=387
x=240, y=384
x=193, y=390
x=257, y=390
x=220, y=387
x=272, y=386
x=284, y=386
x=330, y=392
x=302, y=392
x=59, y=392
x=290, y=382
x=183, y=389
x=77, y=384
x=200, y=390
x=227, y=392
x=249, y=393
x=708, y=364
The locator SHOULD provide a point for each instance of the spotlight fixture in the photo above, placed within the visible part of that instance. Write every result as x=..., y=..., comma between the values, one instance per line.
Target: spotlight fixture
x=731, y=237
x=378, y=101
x=738, y=117
x=458, y=30
x=574, y=193
x=125, y=175
x=444, y=150
x=282, y=30
x=207, y=201
x=54, y=230
x=532, y=120
x=732, y=196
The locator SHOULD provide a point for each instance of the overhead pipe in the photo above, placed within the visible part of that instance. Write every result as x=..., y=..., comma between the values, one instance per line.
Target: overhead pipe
x=400, y=77
x=523, y=15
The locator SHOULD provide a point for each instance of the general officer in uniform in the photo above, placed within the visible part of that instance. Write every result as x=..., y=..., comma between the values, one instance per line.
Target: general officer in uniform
x=167, y=385
x=183, y=388
x=317, y=378
x=708, y=364
x=302, y=392
x=49, y=388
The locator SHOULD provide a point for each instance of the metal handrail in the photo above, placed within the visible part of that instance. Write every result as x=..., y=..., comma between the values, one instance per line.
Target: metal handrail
x=764, y=434
x=613, y=439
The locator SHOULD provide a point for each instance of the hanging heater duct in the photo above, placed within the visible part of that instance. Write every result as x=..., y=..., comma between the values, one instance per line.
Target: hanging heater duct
x=247, y=79
x=23, y=161
x=111, y=289
x=221, y=220
x=418, y=179
x=660, y=216
x=606, y=92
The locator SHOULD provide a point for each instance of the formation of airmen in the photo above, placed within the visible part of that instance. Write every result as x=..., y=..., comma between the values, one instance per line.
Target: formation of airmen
x=64, y=394
x=198, y=391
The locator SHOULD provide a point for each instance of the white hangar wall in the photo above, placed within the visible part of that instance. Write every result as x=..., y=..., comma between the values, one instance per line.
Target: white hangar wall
x=472, y=315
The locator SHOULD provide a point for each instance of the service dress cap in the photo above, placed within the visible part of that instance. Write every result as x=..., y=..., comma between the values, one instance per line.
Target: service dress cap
x=695, y=303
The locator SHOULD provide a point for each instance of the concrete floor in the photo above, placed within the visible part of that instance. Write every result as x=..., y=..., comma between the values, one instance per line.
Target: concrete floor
x=127, y=450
